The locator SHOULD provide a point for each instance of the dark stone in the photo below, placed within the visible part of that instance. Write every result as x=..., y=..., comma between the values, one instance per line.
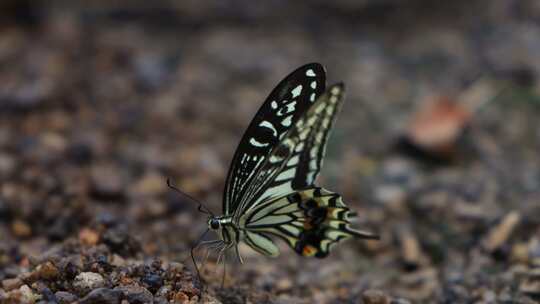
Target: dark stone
x=136, y=294
x=80, y=153
x=70, y=270
x=107, y=184
x=103, y=296
x=106, y=219
x=119, y=241
x=47, y=295
x=59, y=229
x=4, y=210
x=153, y=281
x=160, y=300
x=64, y=297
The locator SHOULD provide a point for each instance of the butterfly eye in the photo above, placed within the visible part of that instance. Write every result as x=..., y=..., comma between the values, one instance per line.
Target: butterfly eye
x=214, y=224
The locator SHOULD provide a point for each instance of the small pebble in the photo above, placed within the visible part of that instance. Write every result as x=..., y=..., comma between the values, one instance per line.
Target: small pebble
x=500, y=233
x=411, y=251
x=7, y=164
x=64, y=297
x=48, y=295
x=4, y=210
x=150, y=184
x=48, y=271
x=120, y=241
x=208, y=299
x=102, y=296
x=107, y=183
x=10, y=284
x=27, y=295
x=135, y=294
x=163, y=291
x=373, y=296
x=117, y=261
x=284, y=284
x=21, y=228
x=530, y=287
x=86, y=281
x=88, y=237
x=161, y=300
x=400, y=301
x=153, y=281
x=175, y=267
x=180, y=297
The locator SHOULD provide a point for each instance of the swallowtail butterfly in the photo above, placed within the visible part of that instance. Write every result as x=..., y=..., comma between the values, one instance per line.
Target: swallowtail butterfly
x=270, y=192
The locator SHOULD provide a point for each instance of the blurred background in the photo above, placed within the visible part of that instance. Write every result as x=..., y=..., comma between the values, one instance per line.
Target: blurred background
x=437, y=147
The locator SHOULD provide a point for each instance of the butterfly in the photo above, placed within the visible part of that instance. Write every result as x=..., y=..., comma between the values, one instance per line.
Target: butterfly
x=270, y=190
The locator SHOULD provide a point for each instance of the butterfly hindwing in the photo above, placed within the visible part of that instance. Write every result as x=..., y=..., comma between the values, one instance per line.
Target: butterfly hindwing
x=291, y=98
x=311, y=221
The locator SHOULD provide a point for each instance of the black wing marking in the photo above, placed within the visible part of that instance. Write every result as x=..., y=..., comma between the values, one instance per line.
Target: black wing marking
x=295, y=162
x=291, y=98
x=311, y=221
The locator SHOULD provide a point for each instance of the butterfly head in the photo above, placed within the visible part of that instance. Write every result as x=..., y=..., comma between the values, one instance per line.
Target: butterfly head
x=214, y=223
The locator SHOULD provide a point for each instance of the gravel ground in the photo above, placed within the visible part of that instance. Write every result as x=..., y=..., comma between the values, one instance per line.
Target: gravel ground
x=436, y=148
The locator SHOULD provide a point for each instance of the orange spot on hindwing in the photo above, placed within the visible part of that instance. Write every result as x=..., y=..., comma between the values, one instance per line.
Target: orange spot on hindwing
x=309, y=250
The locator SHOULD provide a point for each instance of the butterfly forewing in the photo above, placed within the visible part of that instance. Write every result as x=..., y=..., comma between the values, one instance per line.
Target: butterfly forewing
x=296, y=160
x=282, y=109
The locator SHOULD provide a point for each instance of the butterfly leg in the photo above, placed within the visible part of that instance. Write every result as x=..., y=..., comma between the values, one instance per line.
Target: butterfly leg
x=211, y=245
x=238, y=254
x=192, y=251
x=223, y=255
x=224, y=268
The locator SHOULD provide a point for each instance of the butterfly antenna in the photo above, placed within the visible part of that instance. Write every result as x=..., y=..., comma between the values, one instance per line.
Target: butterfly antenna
x=201, y=207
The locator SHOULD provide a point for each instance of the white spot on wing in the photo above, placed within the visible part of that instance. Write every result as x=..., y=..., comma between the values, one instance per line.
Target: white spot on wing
x=287, y=109
x=310, y=73
x=297, y=91
x=268, y=125
x=274, y=159
x=287, y=121
x=273, y=104
x=314, y=85
x=255, y=143
x=312, y=97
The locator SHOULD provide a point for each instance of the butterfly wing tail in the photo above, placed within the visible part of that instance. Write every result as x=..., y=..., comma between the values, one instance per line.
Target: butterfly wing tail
x=326, y=222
